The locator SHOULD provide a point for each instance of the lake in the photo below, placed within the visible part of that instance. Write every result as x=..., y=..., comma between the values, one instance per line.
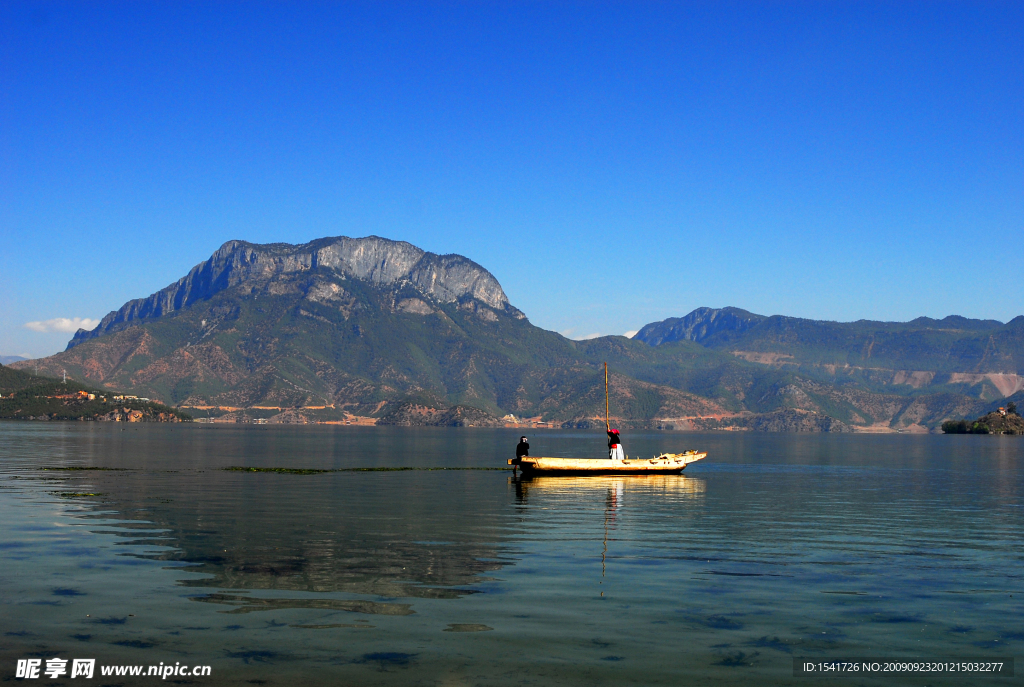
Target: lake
x=774, y=547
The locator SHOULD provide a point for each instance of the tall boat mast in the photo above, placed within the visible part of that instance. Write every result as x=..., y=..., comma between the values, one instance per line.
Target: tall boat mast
x=607, y=425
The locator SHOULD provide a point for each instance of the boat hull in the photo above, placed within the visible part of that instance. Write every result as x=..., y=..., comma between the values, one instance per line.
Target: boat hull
x=666, y=464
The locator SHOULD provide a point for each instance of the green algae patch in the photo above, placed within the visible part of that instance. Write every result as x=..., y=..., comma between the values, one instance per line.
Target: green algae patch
x=78, y=468
x=310, y=471
x=358, y=626
x=283, y=471
x=250, y=604
x=467, y=627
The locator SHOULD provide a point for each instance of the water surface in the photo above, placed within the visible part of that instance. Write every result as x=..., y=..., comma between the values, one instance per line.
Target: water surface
x=775, y=546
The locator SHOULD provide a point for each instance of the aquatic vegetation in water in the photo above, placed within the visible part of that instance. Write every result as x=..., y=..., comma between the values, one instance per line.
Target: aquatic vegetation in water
x=467, y=627
x=772, y=643
x=249, y=604
x=738, y=659
x=135, y=644
x=358, y=626
x=311, y=471
x=719, y=622
x=112, y=620
x=894, y=618
x=65, y=591
x=282, y=471
x=387, y=658
x=248, y=655
x=847, y=593
x=81, y=468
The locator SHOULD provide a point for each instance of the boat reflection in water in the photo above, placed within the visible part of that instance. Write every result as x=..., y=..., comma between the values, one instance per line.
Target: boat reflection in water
x=671, y=487
x=579, y=498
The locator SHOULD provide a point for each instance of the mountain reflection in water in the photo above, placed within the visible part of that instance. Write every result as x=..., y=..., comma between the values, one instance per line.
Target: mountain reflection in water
x=321, y=533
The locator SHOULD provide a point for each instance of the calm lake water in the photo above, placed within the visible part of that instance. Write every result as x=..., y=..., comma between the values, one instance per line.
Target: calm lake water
x=775, y=547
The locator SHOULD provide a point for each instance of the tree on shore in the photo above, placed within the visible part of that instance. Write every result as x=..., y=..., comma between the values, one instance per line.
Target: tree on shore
x=964, y=427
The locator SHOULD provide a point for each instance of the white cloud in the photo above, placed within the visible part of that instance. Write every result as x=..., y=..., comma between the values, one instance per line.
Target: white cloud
x=62, y=324
x=569, y=334
x=631, y=333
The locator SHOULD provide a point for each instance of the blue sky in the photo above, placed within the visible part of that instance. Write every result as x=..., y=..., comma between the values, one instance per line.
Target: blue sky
x=612, y=164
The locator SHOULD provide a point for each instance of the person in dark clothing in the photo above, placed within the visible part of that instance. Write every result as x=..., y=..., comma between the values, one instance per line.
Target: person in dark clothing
x=522, y=449
x=615, y=445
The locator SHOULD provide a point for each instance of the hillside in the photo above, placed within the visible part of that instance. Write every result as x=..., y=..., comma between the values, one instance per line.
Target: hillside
x=979, y=358
x=343, y=328
x=25, y=396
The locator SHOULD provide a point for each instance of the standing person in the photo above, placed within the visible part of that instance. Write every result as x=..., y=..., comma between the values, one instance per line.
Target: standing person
x=614, y=442
x=615, y=445
x=522, y=449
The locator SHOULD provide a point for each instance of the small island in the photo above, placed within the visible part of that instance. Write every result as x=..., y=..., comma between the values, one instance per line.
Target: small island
x=1002, y=421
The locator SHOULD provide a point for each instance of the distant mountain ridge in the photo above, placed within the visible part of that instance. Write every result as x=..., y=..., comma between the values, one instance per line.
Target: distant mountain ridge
x=952, y=345
x=705, y=323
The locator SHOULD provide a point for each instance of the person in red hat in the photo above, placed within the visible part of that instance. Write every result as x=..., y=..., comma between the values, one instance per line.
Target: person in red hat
x=615, y=446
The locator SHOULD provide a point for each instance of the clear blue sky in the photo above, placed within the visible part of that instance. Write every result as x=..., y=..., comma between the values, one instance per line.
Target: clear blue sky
x=612, y=164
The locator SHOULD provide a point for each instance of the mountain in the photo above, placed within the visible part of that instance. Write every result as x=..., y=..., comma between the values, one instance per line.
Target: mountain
x=376, y=261
x=8, y=359
x=342, y=325
x=361, y=328
x=982, y=358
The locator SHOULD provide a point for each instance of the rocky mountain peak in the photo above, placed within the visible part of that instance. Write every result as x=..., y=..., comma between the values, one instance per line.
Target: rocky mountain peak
x=379, y=261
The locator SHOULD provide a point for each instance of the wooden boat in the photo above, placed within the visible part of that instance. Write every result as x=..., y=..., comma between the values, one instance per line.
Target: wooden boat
x=665, y=464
